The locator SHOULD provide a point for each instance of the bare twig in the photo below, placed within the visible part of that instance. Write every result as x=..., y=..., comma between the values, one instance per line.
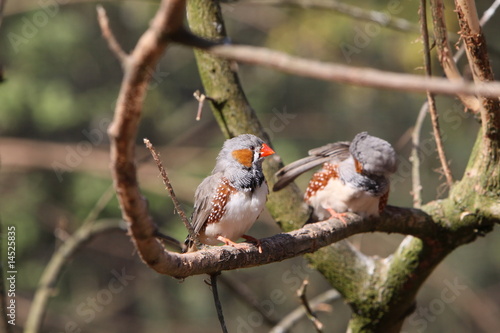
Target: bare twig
x=53, y=269
x=101, y=203
x=383, y=19
x=293, y=317
x=415, y=158
x=109, y=36
x=218, y=305
x=169, y=187
x=301, y=293
x=430, y=96
x=200, y=98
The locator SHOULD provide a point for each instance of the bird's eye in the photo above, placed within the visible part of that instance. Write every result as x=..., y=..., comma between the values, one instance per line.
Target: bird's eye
x=252, y=148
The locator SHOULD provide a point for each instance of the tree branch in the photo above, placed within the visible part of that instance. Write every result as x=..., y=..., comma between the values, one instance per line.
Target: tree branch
x=286, y=324
x=415, y=159
x=108, y=35
x=218, y=305
x=477, y=54
x=53, y=270
x=430, y=97
x=445, y=55
x=341, y=73
x=358, y=13
x=301, y=293
x=283, y=246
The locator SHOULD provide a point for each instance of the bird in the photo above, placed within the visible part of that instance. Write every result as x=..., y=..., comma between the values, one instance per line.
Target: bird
x=354, y=177
x=229, y=201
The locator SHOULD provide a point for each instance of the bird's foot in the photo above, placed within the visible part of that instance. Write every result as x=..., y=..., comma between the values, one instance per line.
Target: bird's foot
x=253, y=240
x=240, y=246
x=339, y=216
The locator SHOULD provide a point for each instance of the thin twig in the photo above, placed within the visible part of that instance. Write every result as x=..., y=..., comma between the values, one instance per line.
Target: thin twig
x=53, y=269
x=293, y=317
x=301, y=293
x=200, y=98
x=108, y=35
x=101, y=203
x=241, y=290
x=430, y=96
x=415, y=158
x=218, y=305
x=383, y=19
x=169, y=187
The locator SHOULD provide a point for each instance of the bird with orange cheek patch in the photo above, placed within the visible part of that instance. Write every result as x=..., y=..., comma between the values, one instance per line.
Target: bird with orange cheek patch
x=229, y=201
x=354, y=177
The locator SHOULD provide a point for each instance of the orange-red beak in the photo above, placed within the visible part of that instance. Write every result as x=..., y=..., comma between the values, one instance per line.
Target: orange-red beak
x=265, y=150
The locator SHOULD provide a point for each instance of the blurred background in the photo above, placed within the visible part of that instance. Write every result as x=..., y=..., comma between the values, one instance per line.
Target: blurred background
x=57, y=98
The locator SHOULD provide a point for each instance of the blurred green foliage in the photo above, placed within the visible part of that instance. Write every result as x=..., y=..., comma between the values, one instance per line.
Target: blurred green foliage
x=61, y=85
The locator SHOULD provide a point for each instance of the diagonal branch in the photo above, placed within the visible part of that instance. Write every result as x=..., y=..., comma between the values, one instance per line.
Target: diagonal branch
x=54, y=268
x=385, y=20
x=286, y=324
x=334, y=72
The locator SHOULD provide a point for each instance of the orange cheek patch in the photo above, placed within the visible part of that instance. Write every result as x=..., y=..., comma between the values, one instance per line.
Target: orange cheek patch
x=359, y=167
x=244, y=156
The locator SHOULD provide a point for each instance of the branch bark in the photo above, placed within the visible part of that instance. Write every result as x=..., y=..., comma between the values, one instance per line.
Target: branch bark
x=477, y=54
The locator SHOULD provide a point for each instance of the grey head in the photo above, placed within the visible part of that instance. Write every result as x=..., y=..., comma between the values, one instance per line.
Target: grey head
x=240, y=161
x=377, y=156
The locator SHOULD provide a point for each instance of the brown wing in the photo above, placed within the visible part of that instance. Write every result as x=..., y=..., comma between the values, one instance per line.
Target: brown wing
x=320, y=179
x=332, y=153
x=203, y=201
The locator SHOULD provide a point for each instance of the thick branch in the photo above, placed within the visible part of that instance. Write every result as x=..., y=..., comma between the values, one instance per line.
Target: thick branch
x=283, y=246
x=488, y=156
